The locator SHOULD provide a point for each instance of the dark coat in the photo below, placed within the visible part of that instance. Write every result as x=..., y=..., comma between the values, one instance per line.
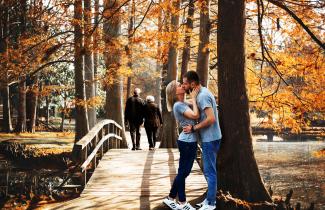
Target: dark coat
x=152, y=115
x=134, y=109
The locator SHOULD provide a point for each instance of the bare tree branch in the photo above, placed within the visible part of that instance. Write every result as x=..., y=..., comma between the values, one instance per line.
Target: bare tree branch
x=299, y=21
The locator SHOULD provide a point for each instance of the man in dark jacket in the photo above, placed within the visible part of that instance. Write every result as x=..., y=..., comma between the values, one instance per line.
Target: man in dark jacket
x=152, y=121
x=134, y=116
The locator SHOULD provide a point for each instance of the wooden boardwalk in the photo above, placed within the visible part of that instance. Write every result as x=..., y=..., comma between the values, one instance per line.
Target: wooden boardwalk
x=126, y=179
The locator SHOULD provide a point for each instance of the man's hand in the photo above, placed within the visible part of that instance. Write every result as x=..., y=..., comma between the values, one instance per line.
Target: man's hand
x=187, y=129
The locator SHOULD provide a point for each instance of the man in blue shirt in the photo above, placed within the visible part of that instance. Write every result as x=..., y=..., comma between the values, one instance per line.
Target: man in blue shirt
x=210, y=135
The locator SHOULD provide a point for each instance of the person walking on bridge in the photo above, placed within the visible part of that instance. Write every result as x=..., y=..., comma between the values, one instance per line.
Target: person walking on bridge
x=152, y=120
x=133, y=115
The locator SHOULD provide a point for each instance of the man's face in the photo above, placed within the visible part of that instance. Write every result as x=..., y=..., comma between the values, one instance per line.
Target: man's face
x=187, y=86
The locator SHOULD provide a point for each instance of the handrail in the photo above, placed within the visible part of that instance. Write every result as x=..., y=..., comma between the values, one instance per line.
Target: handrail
x=105, y=135
x=94, y=152
x=87, y=138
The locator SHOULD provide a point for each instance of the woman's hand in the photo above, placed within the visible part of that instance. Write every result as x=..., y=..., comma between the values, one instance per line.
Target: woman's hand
x=195, y=92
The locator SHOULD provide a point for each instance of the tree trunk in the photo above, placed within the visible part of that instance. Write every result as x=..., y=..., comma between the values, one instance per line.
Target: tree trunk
x=238, y=172
x=130, y=45
x=158, y=61
x=32, y=105
x=202, y=67
x=89, y=71
x=169, y=130
x=95, y=43
x=21, y=121
x=21, y=125
x=47, y=104
x=63, y=113
x=7, y=126
x=114, y=92
x=188, y=33
x=81, y=127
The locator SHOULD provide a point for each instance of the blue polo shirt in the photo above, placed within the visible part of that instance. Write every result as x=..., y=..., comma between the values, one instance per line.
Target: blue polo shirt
x=204, y=100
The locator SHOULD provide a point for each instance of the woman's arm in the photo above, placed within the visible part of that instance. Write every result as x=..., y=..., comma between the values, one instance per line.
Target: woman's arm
x=193, y=114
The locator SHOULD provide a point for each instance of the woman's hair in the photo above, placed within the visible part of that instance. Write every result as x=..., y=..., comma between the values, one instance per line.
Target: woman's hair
x=150, y=99
x=171, y=94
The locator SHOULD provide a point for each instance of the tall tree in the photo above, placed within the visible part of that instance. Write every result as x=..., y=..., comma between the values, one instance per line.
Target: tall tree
x=188, y=33
x=114, y=86
x=88, y=64
x=202, y=67
x=95, y=42
x=169, y=131
x=21, y=120
x=158, y=59
x=129, y=49
x=81, y=117
x=238, y=172
x=4, y=22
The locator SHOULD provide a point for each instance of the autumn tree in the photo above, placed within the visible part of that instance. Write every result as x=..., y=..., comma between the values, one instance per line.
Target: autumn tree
x=238, y=172
x=88, y=65
x=202, y=66
x=114, y=80
x=4, y=26
x=169, y=132
x=81, y=116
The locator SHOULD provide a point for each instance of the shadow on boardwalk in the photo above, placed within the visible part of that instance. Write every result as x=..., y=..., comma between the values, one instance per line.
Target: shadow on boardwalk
x=126, y=179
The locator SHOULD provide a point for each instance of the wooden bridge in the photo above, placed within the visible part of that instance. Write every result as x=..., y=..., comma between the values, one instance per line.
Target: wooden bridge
x=126, y=179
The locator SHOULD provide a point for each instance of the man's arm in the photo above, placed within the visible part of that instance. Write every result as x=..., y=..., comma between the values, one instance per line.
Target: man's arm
x=209, y=120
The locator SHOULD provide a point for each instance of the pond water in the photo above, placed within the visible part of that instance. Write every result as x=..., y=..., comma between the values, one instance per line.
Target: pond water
x=293, y=165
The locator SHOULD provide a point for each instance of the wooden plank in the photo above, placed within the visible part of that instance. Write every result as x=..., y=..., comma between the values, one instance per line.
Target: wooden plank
x=128, y=179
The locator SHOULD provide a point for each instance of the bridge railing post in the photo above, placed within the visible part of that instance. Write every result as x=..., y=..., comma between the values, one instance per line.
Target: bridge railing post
x=94, y=144
x=83, y=158
x=115, y=139
x=111, y=130
x=94, y=160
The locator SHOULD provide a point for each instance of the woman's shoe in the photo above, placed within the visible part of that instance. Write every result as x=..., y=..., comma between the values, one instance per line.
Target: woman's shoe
x=186, y=206
x=171, y=203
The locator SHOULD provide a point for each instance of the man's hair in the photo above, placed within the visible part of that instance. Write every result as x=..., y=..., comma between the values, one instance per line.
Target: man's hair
x=192, y=76
x=137, y=91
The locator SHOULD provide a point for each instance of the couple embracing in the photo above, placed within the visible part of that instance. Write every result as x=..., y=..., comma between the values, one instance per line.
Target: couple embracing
x=199, y=122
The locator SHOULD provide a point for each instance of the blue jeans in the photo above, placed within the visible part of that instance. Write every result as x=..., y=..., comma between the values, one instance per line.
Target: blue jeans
x=210, y=150
x=187, y=152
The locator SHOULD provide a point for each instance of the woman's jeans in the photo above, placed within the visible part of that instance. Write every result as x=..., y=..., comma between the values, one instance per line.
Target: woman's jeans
x=210, y=150
x=187, y=152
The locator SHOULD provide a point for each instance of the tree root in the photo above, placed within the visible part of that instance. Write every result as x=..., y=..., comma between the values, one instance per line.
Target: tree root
x=226, y=202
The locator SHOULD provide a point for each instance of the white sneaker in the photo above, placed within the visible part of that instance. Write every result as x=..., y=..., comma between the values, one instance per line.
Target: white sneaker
x=185, y=206
x=199, y=205
x=207, y=207
x=171, y=203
